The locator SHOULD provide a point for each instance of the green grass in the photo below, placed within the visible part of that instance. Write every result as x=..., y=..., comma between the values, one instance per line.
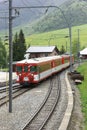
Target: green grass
x=58, y=37
x=48, y=38
x=83, y=91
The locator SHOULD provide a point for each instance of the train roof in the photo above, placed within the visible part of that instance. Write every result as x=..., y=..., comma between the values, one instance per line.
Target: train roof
x=39, y=60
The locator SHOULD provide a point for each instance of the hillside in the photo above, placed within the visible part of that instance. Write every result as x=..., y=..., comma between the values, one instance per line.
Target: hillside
x=25, y=15
x=58, y=37
x=74, y=11
x=42, y=20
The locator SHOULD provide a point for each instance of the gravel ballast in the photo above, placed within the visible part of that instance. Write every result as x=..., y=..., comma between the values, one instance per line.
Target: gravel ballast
x=23, y=108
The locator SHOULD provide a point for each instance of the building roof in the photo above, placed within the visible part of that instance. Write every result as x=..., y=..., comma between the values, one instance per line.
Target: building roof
x=40, y=49
x=83, y=52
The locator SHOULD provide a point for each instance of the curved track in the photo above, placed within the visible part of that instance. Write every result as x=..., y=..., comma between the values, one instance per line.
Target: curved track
x=46, y=109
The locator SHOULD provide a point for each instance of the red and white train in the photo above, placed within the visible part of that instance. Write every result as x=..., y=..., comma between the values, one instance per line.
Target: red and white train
x=36, y=69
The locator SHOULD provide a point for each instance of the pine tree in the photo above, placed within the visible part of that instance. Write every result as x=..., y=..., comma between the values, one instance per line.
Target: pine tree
x=3, y=55
x=19, y=47
x=15, y=47
x=62, y=50
x=22, y=48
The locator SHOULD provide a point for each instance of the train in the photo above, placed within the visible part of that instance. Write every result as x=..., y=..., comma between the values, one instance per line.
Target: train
x=32, y=71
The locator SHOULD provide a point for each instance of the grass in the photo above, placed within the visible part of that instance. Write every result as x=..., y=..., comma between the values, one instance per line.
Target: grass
x=83, y=91
x=58, y=37
x=48, y=38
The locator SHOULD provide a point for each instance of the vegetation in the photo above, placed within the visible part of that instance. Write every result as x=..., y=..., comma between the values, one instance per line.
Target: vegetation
x=75, y=49
x=83, y=91
x=19, y=46
x=3, y=55
x=59, y=37
x=73, y=13
x=62, y=50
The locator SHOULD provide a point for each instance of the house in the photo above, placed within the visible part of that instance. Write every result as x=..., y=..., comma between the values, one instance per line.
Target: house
x=83, y=53
x=42, y=51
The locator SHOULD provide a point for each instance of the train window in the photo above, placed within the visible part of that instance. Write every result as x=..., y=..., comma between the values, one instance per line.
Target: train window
x=33, y=69
x=25, y=68
x=45, y=67
x=19, y=68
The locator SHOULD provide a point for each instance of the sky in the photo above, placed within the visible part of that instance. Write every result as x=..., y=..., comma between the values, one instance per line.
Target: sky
x=6, y=0
x=1, y=1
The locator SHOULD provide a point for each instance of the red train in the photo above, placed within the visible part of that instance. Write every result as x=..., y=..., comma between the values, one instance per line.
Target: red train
x=36, y=69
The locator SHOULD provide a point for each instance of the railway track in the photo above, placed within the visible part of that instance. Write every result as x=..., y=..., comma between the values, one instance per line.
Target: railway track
x=17, y=91
x=2, y=84
x=6, y=88
x=43, y=114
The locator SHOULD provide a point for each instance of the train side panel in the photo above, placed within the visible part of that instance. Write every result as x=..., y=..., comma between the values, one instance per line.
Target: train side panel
x=65, y=61
x=56, y=65
x=44, y=71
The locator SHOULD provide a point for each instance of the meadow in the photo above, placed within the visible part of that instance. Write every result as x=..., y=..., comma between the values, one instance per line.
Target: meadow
x=59, y=37
x=83, y=91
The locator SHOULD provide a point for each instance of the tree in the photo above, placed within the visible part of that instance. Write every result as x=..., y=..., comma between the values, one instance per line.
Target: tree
x=15, y=47
x=3, y=55
x=22, y=45
x=19, y=47
x=62, y=50
x=75, y=48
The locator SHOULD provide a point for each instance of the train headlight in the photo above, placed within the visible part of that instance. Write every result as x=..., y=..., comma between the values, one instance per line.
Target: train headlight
x=17, y=78
x=26, y=79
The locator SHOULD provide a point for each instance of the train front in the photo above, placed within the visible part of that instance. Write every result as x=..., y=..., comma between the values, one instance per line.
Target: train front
x=25, y=73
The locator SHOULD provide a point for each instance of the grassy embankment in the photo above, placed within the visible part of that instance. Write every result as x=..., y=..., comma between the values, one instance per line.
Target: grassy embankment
x=83, y=91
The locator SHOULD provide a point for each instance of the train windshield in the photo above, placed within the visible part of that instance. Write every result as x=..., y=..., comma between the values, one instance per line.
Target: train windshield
x=33, y=69
x=19, y=68
x=25, y=68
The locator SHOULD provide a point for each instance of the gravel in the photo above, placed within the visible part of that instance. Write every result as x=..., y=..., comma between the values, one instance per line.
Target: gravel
x=23, y=108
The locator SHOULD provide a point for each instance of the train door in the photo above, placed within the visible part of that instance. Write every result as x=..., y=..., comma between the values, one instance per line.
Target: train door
x=52, y=66
x=62, y=60
x=39, y=72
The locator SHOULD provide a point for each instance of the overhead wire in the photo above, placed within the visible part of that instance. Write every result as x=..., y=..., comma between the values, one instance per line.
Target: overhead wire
x=27, y=3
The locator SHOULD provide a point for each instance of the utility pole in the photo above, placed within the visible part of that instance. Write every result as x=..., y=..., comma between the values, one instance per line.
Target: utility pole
x=78, y=47
x=70, y=35
x=66, y=46
x=10, y=56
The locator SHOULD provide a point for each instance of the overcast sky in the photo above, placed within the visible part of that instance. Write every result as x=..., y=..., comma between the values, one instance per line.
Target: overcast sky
x=7, y=0
x=1, y=0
